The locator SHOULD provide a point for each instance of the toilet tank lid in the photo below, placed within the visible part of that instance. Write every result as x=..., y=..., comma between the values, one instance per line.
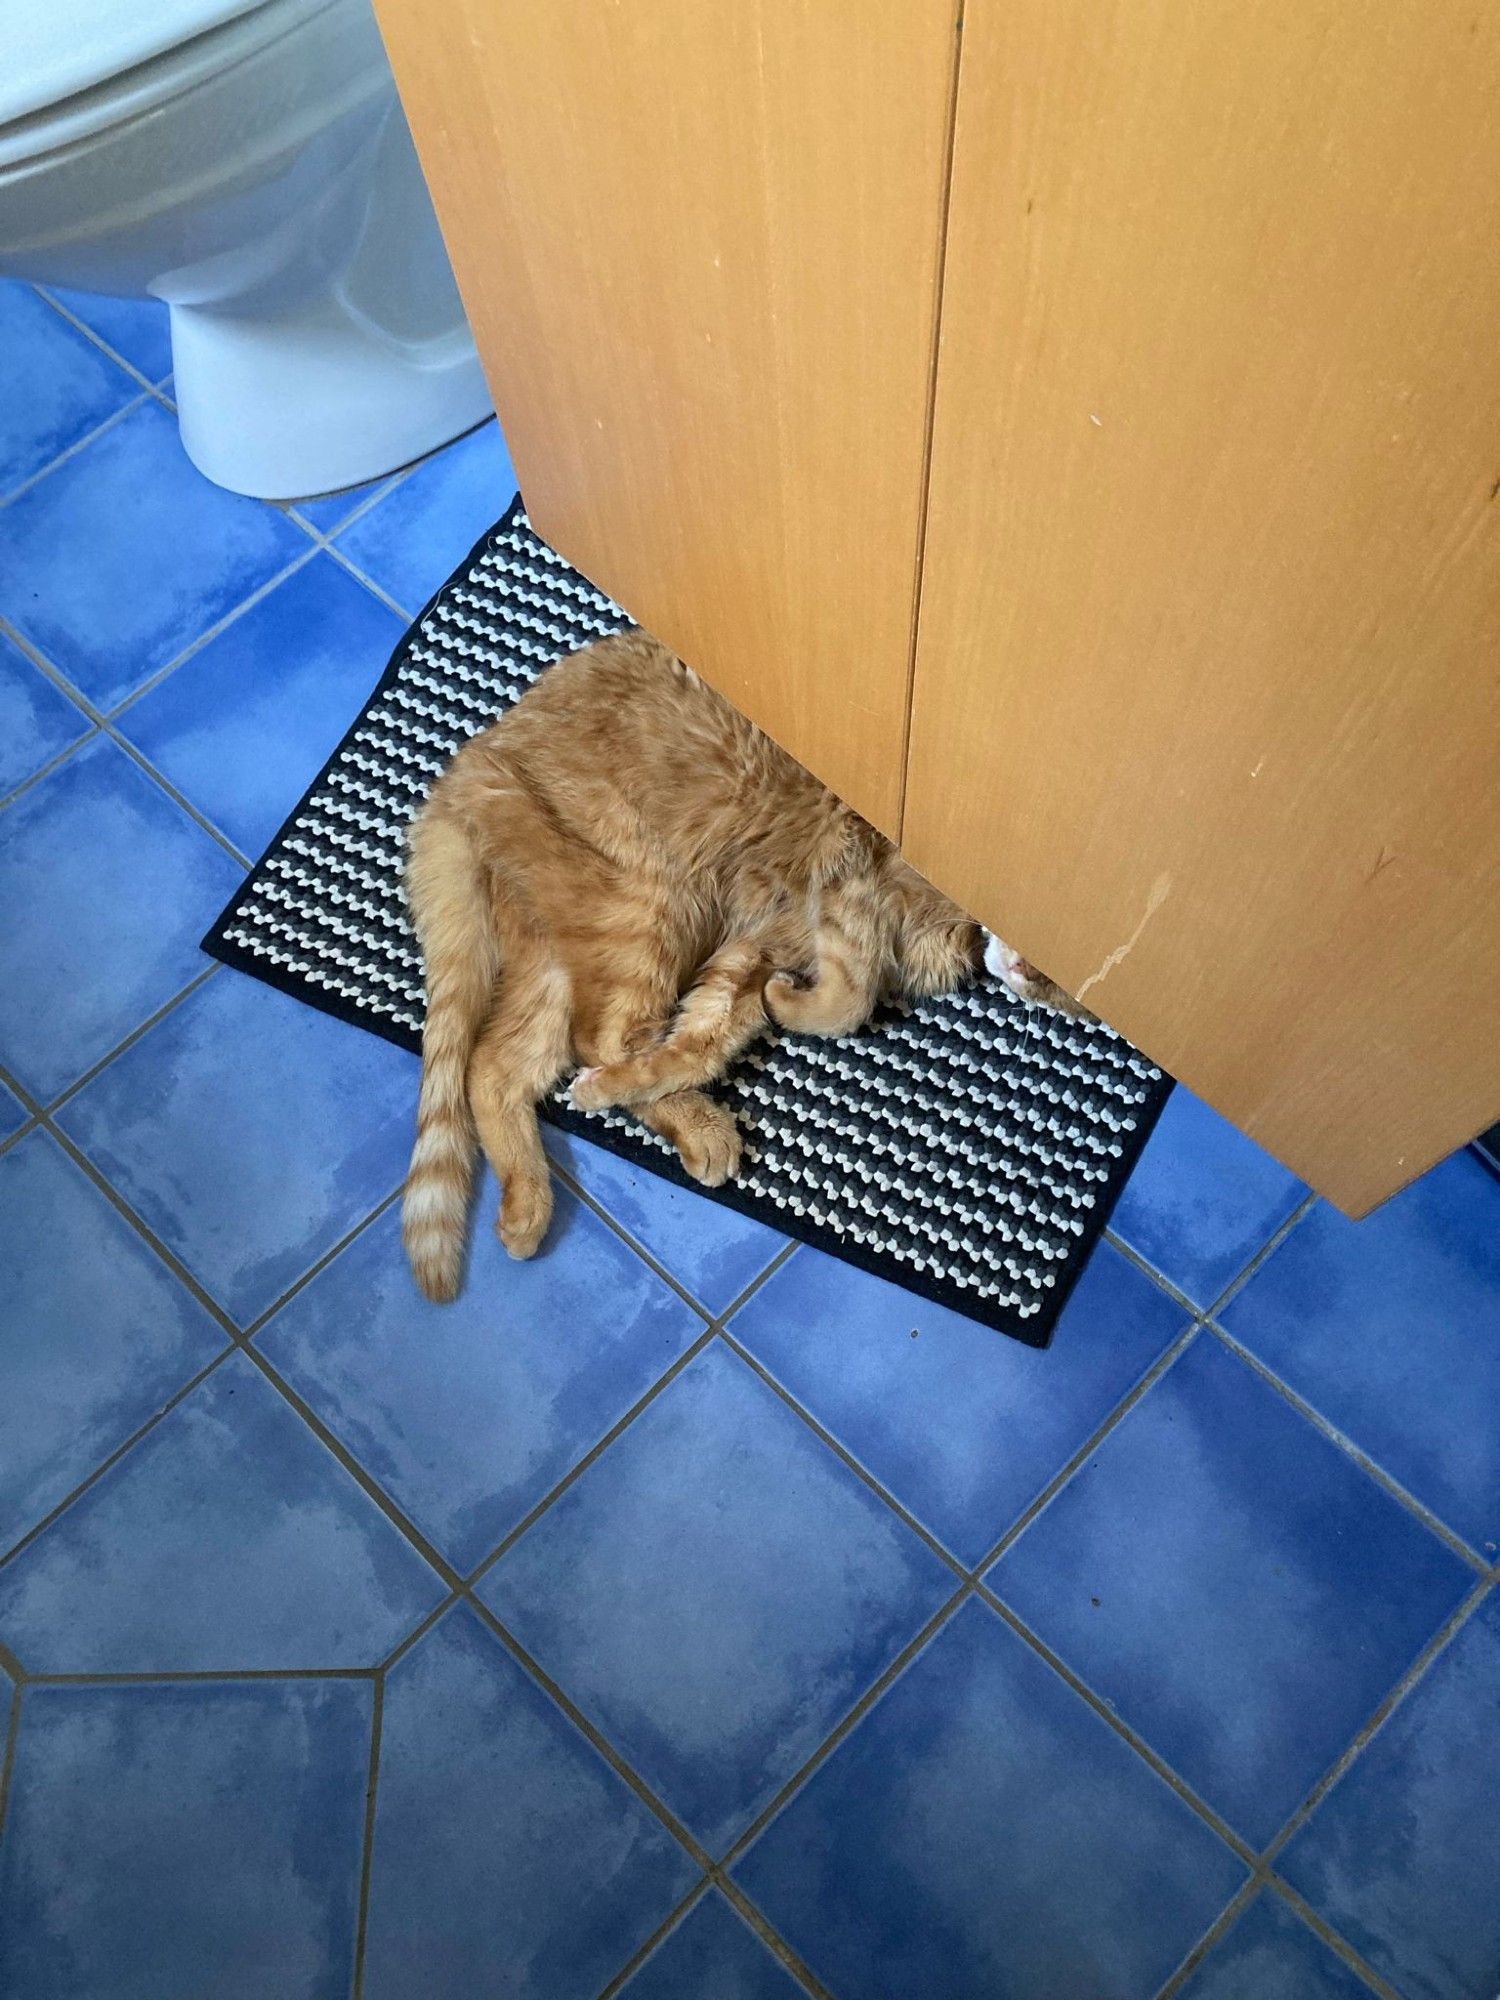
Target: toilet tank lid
x=50, y=50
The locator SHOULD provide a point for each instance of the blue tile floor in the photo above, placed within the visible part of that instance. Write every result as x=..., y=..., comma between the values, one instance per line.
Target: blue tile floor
x=680, y=1616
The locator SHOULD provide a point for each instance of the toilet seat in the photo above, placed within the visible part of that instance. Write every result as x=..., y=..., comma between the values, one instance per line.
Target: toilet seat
x=52, y=52
x=99, y=64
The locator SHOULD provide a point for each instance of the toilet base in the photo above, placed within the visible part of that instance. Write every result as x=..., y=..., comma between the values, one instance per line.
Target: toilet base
x=315, y=398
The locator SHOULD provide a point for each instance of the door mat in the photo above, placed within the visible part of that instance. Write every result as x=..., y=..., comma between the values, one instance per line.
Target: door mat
x=969, y=1148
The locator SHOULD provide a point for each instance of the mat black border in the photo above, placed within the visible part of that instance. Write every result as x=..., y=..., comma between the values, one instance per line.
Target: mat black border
x=1034, y=1332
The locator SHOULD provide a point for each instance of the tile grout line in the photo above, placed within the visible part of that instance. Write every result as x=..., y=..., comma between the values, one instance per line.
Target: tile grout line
x=653, y=1264
x=846, y=1457
x=1166, y=1360
x=136, y=402
x=179, y=799
x=82, y=325
x=85, y=735
x=211, y=632
x=846, y=1724
x=678, y=1914
x=771, y=1938
x=191, y=1676
x=973, y=1579
x=1263, y=1255
x=237, y=1339
x=395, y=1515
x=262, y=1319
x=11, y=1750
x=1222, y=1924
x=1148, y=1270
x=576, y=1472
x=367, y=1843
x=169, y=1257
x=375, y=589
x=386, y=487
x=1438, y=1644
x=1265, y=1876
x=65, y=1096
x=1339, y=1946
x=54, y=1514
x=31, y=1105
x=1346, y=1445
x=601, y=1743
x=22, y=1131
x=1240, y=1846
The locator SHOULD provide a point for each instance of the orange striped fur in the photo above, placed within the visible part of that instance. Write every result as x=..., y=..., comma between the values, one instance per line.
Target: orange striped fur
x=624, y=873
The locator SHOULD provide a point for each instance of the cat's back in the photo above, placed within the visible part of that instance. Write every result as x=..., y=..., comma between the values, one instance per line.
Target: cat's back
x=636, y=755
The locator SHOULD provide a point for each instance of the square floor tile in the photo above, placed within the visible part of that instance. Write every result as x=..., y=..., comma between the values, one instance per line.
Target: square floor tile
x=961, y=1425
x=125, y=554
x=1203, y=1199
x=137, y=329
x=1270, y=1954
x=95, y=1333
x=230, y=1537
x=106, y=887
x=1391, y=1327
x=1240, y=1590
x=37, y=720
x=712, y=1251
x=468, y=1414
x=982, y=1832
x=251, y=1133
x=1403, y=1856
x=58, y=385
x=244, y=726
x=712, y=1955
x=172, y=1843
x=716, y=1592
x=509, y=1858
x=413, y=539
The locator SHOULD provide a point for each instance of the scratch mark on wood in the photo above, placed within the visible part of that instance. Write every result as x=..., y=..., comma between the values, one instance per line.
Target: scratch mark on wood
x=1383, y=861
x=1161, y=888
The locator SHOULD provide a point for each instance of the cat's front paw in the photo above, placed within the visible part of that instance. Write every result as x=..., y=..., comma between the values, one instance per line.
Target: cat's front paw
x=586, y=1091
x=1023, y=979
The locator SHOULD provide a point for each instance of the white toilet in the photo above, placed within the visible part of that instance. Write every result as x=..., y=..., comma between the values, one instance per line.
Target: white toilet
x=248, y=162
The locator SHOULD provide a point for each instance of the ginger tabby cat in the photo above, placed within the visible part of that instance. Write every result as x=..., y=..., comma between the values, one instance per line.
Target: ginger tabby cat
x=626, y=874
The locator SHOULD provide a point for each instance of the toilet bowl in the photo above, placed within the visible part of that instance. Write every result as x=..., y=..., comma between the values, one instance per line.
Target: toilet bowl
x=247, y=161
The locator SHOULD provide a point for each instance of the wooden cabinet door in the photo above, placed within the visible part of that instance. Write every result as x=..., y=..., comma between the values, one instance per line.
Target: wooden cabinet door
x=699, y=245
x=1206, y=711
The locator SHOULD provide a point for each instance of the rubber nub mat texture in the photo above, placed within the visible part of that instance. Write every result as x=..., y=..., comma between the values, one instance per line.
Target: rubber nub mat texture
x=968, y=1148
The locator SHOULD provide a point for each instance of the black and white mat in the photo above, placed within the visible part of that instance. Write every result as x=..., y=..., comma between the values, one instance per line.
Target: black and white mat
x=969, y=1148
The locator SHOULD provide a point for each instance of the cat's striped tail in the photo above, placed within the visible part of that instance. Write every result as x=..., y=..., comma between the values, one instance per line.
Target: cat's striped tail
x=449, y=902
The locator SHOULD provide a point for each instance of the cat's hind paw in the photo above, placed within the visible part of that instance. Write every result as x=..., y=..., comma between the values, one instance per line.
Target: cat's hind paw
x=525, y=1211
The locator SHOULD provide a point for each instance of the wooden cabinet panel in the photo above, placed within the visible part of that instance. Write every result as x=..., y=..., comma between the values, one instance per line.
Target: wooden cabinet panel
x=1207, y=697
x=699, y=246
